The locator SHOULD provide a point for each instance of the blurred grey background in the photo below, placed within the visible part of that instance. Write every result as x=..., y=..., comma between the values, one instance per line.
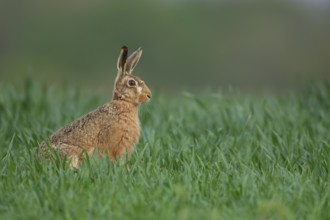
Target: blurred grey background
x=187, y=43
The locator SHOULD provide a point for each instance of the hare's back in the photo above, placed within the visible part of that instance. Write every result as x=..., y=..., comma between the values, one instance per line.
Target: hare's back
x=83, y=132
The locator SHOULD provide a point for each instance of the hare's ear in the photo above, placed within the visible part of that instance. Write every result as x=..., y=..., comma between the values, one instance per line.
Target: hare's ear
x=132, y=60
x=122, y=60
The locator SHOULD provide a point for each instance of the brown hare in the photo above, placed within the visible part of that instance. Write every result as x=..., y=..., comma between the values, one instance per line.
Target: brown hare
x=112, y=128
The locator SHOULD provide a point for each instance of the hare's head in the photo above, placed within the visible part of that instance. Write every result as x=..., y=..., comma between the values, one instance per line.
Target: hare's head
x=128, y=87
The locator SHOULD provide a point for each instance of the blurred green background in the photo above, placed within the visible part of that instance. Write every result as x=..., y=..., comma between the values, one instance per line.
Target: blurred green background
x=187, y=44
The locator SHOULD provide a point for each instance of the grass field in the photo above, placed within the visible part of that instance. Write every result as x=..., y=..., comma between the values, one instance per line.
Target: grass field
x=223, y=155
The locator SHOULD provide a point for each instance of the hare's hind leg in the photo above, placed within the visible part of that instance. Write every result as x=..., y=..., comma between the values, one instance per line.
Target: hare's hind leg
x=74, y=153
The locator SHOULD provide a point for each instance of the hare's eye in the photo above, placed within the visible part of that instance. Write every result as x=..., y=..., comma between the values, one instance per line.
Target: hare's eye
x=131, y=83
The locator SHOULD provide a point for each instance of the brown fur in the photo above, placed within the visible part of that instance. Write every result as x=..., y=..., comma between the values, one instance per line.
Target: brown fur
x=112, y=128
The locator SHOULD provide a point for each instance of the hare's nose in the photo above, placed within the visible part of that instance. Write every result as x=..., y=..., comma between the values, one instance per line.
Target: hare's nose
x=149, y=96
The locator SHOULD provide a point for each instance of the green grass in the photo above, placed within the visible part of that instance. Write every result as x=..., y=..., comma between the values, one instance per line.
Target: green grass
x=206, y=156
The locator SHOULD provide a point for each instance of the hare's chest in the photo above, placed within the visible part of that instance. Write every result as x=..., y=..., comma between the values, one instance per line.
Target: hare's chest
x=124, y=131
x=130, y=129
x=122, y=137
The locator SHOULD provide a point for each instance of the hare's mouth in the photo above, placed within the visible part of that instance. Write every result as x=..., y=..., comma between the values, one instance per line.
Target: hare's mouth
x=143, y=98
x=148, y=95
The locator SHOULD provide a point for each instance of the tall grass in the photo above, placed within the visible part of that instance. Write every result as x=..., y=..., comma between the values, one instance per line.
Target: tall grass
x=223, y=155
